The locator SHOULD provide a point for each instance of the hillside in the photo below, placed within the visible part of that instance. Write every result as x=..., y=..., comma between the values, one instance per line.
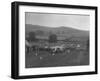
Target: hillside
x=62, y=32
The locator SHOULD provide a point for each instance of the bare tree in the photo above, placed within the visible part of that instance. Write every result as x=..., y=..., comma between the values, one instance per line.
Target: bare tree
x=53, y=38
x=32, y=37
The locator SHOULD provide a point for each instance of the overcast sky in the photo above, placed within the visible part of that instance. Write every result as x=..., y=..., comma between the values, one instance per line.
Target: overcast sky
x=55, y=20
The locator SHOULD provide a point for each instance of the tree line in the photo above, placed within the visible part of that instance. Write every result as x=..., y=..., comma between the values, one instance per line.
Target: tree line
x=52, y=38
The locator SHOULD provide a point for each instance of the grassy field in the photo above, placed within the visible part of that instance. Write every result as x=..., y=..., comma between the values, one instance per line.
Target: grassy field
x=46, y=59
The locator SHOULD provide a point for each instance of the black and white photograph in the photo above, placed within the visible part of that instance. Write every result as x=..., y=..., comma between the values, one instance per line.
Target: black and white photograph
x=53, y=40
x=50, y=40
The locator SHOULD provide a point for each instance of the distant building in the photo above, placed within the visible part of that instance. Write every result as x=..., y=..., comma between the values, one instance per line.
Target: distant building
x=77, y=43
